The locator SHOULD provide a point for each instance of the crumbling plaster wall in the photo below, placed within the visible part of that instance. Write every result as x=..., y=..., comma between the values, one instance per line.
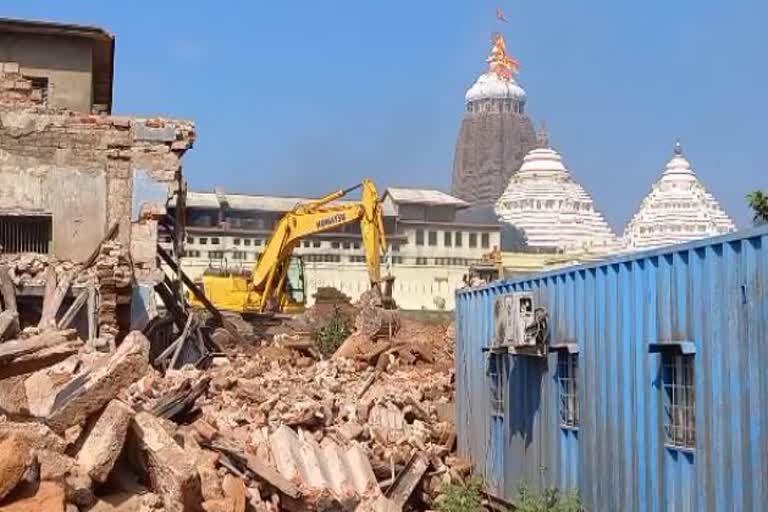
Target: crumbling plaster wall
x=79, y=168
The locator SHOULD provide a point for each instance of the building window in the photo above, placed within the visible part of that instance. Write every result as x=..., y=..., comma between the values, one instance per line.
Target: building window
x=432, y=238
x=236, y=241
x=334, y=245
x=473, y=240
x=256, y=242
x=345, y=245
x=421, y=261
x=679, y=400
x=447, y=239
x=397, y=260
x=39, y=87
x=203, y=241
x=19, y=233
x=247, y=242
x=457, y=238
x=190, y=240
x=216, y=255
x=356, y=245
x=192, y=254
x=238, y=255
x=567, y=367
x=306, y=243
x=316, y=243
x=215, y=240
x=395, y=247
x=357, y=259
x=496, y=380
x=419, y=237
x=485, y=240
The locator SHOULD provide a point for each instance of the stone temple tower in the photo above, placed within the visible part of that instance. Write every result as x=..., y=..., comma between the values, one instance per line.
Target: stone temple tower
x=495, y=134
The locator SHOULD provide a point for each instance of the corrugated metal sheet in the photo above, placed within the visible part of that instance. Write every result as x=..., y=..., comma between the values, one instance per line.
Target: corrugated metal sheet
x=713, y=293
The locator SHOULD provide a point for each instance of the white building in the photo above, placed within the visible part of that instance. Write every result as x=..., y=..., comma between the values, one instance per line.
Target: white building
x=678, y=209
x=433, y=236
x=551, y=209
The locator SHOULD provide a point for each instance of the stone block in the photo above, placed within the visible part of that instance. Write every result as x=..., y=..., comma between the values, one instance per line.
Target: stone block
x=11, y=67
x=14, y=458
x=49, y=497
x=172, y=474
x=36, y=435
x=104, y=442
x=91, y=391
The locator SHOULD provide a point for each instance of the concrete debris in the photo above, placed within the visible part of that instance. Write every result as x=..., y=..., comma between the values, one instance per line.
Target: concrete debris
x=268, y=425
x=48, y=497
x=89, y=392
x=172, y=474
x=14, y=458
x=105, y=441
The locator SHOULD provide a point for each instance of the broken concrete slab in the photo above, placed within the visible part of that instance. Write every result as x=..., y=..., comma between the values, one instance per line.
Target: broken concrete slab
x=9, y=324
x=41, y=386
x=105, y=440
x=48, y=497
x=22, y=356
x=14, y=458
x=408, y=479
x=35, y=435
x=172, y=474
x=89, y=392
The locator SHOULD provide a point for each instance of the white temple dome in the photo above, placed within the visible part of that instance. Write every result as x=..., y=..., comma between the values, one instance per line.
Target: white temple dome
x=678, y=209
x=489, y=86
x=553, y=211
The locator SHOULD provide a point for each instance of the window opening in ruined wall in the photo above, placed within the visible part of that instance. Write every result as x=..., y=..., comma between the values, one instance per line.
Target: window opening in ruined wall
x=39, y=87
x=19, y=233
x=567, y=368
x=679, y=401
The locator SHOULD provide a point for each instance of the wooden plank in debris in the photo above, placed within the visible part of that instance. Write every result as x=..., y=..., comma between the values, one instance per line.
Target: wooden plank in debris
x=75, y=307
x=52, y=304
x=249, y=466
x=181, y=401
x=196, y=291
x=50, y=291
x=9, y=324
x=7, y=289
x=18, y=357
x=408, y=479
x=92, y=315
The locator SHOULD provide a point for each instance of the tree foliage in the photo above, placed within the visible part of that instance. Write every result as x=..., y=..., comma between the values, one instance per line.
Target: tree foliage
x=759, y=203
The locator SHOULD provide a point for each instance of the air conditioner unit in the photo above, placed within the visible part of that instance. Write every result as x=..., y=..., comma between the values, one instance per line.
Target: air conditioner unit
x=515, y=318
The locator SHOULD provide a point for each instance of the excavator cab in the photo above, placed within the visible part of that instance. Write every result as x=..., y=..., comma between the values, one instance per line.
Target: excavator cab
x=295, y=287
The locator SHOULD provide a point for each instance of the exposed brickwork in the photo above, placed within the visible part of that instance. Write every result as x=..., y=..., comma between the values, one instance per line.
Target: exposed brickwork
x=15, y=89
x=36, y=141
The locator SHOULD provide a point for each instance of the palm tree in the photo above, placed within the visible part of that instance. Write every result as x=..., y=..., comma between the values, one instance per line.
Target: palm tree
x=759, y=203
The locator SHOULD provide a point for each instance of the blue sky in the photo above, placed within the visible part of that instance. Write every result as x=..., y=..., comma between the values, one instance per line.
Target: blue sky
x=304, y=97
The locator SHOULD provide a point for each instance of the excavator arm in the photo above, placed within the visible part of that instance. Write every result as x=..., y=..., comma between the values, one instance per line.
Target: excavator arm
x=269, y=274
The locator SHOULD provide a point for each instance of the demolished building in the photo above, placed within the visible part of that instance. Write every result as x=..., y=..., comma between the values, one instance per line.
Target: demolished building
x=70, y=172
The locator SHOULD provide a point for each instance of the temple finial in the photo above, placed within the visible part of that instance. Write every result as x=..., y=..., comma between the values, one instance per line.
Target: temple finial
x=542, y=139
x=678, y=150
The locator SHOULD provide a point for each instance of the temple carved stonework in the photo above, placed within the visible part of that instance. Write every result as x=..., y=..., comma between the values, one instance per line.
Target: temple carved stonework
x=495, y=133
x=678, y=209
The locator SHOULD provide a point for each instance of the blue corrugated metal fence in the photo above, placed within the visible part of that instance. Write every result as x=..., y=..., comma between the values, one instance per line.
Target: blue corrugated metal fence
x=712, y=293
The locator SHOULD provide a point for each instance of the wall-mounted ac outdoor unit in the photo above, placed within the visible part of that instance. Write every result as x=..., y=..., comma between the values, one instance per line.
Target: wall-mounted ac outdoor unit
x=514, y=315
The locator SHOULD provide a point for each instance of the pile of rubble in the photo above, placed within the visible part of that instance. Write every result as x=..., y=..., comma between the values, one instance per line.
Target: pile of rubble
x=263, y=429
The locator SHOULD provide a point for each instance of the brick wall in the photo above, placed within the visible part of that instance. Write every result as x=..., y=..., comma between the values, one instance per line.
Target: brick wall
x=80, y=168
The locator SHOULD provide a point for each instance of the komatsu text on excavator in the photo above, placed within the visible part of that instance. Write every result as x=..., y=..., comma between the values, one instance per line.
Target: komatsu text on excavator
x=276, y=282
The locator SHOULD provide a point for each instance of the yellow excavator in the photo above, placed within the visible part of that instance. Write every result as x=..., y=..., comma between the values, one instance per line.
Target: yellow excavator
x=276, y=282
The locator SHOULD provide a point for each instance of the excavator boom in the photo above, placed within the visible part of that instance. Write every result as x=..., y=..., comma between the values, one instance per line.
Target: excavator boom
x=266, y=290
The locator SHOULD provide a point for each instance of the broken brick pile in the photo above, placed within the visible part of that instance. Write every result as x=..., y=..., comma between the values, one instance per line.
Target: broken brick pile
x=264, y=428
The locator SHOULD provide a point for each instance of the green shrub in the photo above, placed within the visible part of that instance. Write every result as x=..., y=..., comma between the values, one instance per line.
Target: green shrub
x=464, y=497
x=333, y=333
x=550, y=500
